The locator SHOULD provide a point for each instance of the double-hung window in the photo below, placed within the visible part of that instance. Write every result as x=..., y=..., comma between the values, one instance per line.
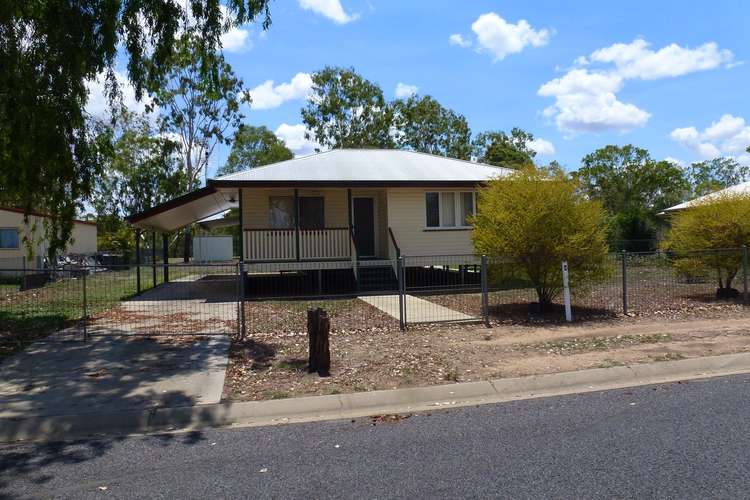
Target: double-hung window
x=449, y=209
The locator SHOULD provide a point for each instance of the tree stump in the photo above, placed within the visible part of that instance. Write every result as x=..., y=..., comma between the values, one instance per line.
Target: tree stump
x=318, y=328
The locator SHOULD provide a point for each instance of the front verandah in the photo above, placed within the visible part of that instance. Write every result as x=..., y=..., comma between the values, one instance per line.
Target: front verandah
x=282, y=225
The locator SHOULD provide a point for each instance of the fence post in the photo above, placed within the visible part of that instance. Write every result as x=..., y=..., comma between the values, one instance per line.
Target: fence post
x=138, y=261
x=566, y=292
x=400, y=278
x=85, y=308
x=624, y=282
x=485, y=293
x=744, y=275
x=242, y=327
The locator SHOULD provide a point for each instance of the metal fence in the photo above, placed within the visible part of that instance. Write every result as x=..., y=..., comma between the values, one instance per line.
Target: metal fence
x=367, y=296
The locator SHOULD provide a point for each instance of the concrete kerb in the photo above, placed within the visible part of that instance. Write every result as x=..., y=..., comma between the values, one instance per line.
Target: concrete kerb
x=332, y=407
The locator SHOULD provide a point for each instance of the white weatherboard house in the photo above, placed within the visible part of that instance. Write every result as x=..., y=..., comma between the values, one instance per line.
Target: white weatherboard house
x=339, y=208
x=740, y=189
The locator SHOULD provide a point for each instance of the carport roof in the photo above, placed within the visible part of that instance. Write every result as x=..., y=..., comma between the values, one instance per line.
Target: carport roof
x=338, y=167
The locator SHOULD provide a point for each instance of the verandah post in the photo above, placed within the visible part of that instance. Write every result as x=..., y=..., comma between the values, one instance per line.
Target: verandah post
x=296, y=223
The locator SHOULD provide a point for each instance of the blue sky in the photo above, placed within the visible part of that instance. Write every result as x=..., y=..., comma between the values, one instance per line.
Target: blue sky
x=668, y=76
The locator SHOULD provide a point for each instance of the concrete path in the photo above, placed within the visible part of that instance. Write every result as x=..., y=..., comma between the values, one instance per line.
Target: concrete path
x=417, y=310
x=63, y=375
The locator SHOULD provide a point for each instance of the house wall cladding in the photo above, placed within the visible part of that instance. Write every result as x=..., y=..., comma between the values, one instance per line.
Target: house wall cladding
x=406, y=217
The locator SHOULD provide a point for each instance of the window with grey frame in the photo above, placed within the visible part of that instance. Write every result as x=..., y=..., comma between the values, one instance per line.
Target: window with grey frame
x=449, y=209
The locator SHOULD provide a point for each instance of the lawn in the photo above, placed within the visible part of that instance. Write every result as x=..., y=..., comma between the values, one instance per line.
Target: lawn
x=26, y=316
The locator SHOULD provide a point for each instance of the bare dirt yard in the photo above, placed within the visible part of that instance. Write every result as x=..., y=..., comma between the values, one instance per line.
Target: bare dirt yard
x=368, y=352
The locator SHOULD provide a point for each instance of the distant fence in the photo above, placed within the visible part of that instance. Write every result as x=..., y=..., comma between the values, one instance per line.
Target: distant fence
x=368, y=296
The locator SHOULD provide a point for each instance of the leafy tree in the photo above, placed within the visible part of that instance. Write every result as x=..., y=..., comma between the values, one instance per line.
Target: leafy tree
x=254, y=147
x=528, y=223
x=141, y=169
x=423, y=124
x=701, y=236
x=713, y=175
x=633, y=188
x=347, y=111
x=50, y=49
x=505, y=150
x=197, y=107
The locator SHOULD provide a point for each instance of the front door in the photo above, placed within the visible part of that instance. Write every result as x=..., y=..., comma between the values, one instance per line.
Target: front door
x=364, y=226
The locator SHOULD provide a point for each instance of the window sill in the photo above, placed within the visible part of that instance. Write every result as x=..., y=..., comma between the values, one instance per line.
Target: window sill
x=459, y=228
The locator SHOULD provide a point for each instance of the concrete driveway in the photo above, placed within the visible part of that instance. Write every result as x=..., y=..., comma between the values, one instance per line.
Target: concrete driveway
x=63, y=375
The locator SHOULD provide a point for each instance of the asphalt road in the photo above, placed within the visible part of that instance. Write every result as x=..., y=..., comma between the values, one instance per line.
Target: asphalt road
x=688, y=440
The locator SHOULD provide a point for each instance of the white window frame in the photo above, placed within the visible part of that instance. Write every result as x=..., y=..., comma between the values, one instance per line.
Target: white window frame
x=457, y=207
x=18, y=238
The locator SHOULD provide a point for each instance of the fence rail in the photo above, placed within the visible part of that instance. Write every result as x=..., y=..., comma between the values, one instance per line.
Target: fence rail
x=368, y=295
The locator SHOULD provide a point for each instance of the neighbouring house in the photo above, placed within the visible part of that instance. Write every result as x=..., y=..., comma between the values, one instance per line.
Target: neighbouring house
x=13, y=230
x=742, y=188
x=344, y=210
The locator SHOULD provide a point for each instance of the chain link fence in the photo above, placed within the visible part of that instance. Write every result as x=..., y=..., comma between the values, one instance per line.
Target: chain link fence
x=362, y=296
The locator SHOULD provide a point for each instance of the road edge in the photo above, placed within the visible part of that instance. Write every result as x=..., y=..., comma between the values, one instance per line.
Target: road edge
x=362, y=404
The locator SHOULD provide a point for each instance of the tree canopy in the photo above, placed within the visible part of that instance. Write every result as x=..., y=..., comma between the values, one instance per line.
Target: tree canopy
x=423, y=124
x=50, y=49
x=713, y=175
x=254, y=147
x=633, y=188
x=505, y=150
x=706, y=238
x=347, y=111
x=528, y=223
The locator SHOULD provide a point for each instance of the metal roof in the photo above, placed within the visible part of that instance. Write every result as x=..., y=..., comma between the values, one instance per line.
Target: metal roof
x=338, y=167
x=742, y=188
x=368, y=165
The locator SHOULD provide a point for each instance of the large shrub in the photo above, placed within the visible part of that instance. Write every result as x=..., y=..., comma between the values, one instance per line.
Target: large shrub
x=706, y=238
x=529, y=222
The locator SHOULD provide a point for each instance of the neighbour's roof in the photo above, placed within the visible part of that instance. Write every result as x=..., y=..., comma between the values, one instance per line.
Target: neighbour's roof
x=367, y=166
x=742, y=188
x=43, y=215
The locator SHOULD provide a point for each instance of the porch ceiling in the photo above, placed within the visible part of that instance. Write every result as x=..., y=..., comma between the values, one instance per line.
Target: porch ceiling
x=182, y=211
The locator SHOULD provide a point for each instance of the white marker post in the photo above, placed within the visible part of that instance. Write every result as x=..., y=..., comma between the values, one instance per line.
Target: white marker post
x=566, y=292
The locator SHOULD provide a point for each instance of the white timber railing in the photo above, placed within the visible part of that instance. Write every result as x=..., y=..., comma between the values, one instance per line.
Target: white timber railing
x=283, y=244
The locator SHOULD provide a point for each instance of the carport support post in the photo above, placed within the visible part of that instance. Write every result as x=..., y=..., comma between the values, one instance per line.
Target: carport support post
x=485, y=293
x=165, y=255
x=153, y=256
x=138, y=260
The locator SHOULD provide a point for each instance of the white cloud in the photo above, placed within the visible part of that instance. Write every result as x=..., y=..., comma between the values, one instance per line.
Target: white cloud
x=404, y=90
x=294, y=137
x=727, y=136
x=98, y=103
x=675, y=161
x=587, y=102
x=267, y=95
x=237, y=39
x=458, y=39
x=636, y=60
x=542, y=147
x=332, y=9
x=500, y=38
x=586, y=96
